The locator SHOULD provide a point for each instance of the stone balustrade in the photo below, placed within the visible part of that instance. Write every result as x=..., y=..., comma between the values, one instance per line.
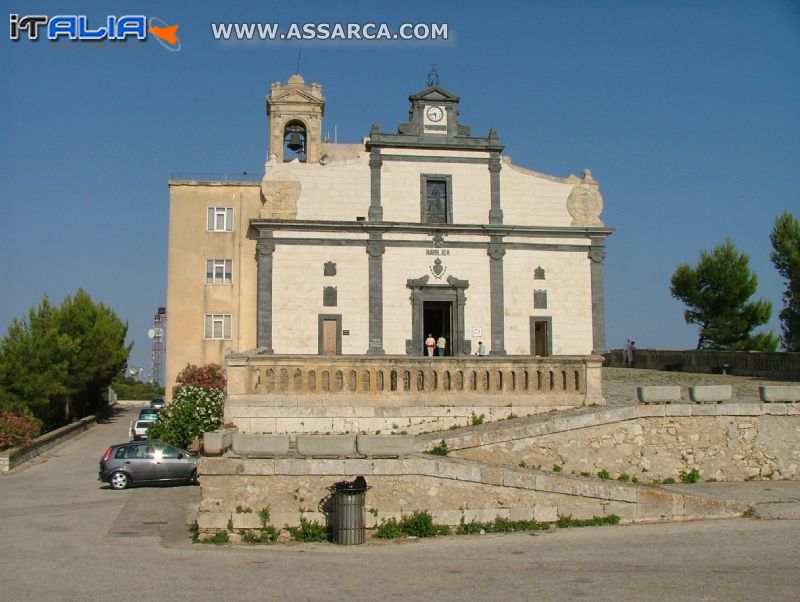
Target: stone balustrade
x=338, y=394
x=416, y=377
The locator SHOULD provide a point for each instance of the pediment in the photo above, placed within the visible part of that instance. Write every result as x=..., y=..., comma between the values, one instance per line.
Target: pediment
x=294, y=96
x=435, y=94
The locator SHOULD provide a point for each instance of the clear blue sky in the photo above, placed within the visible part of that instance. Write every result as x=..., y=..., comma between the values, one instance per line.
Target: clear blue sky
x=688, y=114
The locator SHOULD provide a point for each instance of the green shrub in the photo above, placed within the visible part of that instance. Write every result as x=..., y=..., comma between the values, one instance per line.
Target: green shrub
x=256, y=536
x=693, y=476
x=439, y=450
x=522, y=464
x=309, y=531
x=388, y=529
x=219, y=538
x=624, y=477
x=17, y=430
x=243, y=509
x=604, y=474
x=194, y=531
x=420, y=524
x=557, y=468
x=476, y=420
x=668, y=481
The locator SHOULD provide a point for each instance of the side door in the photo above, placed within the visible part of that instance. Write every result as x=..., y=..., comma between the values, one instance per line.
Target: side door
x=172, y=463
x=138, y=462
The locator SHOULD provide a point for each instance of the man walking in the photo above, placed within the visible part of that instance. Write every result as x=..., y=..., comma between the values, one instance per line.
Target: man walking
x=441, y=344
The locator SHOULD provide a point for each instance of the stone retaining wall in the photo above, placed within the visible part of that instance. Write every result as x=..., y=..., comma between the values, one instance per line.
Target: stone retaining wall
x=728, y=442
x=446, y=487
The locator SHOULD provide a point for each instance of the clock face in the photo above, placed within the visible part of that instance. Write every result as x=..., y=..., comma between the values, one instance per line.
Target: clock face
x=435, y=113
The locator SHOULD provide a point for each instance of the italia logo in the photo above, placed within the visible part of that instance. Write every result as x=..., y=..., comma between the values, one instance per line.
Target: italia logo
x=79, y=28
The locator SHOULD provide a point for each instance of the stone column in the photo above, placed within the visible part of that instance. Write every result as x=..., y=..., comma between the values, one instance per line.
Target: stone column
x=375, y=251
x=496, y=252
x=495, y=212
x=375, y=208
x=265, y=247
x=597, y=255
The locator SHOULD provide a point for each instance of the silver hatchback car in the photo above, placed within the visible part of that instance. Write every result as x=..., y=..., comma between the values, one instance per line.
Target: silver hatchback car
x=125, y=464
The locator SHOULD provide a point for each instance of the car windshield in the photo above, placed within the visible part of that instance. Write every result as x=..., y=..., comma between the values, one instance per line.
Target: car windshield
x=143, y=424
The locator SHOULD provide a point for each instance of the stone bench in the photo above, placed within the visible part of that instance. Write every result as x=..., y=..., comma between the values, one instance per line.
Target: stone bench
x=327, y=446
x=779, y=393
x=259, y=445
x=385, y=446
x=658, y=393
x=710, y=393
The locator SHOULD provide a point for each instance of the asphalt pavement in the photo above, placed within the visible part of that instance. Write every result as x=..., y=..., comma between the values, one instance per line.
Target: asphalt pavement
x=66, y=536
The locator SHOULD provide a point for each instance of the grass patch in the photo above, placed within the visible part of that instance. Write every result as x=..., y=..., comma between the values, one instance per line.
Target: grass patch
x=604, y=474
x=557, y=468
x=565, y=522
x=477, y=420
x=500, y=525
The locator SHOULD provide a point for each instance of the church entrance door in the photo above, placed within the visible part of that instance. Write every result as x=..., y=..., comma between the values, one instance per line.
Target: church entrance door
x=437, y=320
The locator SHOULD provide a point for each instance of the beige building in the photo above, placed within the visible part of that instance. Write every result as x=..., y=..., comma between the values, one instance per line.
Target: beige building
x=366, y=249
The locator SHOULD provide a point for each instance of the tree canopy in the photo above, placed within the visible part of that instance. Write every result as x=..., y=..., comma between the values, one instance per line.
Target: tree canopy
x=57, y=362
x=717, y=297
x=785, y=238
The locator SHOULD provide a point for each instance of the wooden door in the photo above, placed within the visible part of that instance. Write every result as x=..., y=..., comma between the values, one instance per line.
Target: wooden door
x=330, y=335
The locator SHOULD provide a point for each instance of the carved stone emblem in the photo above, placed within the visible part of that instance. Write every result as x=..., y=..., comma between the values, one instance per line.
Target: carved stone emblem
x=281, y=190
x=585, y=203
x=437, y=269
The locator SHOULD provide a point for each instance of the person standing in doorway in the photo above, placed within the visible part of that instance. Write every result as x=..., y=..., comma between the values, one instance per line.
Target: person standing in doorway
x=430, y=343
x=441, y=344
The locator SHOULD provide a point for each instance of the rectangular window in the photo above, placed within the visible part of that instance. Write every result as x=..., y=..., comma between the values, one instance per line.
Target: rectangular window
x=218, y=326
x=436, y=199
x=220, y=219
x=540, y=299
x=219, y=271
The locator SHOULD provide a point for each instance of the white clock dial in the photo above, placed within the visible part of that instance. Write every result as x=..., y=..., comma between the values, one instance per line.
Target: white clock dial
x=435, y=113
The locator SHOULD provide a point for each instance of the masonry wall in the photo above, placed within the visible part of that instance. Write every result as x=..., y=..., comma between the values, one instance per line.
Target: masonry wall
x=732, y=442
x=188, y=295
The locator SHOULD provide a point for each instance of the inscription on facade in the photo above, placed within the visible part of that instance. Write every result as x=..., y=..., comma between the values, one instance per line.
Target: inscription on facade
x=437, y=251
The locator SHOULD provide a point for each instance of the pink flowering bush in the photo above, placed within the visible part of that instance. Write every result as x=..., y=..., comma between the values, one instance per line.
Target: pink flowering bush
x=208, y=376
x=16, y=430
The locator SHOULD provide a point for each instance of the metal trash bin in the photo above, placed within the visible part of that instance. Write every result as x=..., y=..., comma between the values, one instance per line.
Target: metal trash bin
x=348, y=511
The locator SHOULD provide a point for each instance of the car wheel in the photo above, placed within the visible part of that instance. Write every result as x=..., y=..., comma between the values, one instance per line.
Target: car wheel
x=119, y=480
x=194, y=480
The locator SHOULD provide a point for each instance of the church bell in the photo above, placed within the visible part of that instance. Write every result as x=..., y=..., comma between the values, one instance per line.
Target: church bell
x=295, y=142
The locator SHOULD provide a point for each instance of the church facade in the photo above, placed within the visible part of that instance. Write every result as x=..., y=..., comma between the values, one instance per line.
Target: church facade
x=367, y=249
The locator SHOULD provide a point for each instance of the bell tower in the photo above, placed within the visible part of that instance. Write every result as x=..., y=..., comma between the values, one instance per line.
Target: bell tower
x=295, y=121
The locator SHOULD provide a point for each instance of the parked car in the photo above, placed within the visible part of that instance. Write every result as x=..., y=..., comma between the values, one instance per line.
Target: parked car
x=157, y=403
x=138, y=430
x=150, y=414
x=126, y=464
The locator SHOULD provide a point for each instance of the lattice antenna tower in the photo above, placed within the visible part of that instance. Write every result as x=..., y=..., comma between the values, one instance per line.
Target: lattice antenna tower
x=156, y=334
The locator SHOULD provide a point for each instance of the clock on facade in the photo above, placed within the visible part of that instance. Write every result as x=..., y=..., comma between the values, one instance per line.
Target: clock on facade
x=435, y=113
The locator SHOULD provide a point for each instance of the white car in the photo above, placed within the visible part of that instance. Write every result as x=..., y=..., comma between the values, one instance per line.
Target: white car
x=138, y=430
